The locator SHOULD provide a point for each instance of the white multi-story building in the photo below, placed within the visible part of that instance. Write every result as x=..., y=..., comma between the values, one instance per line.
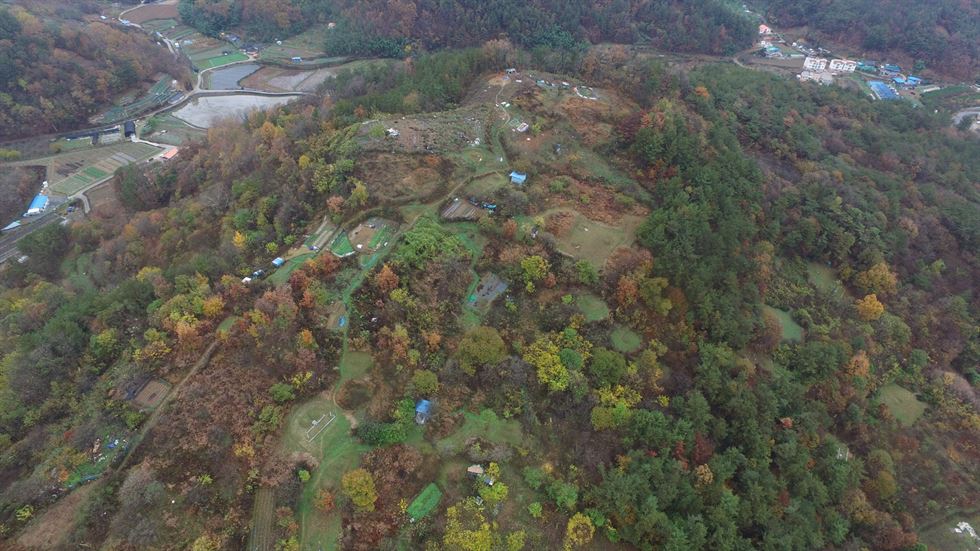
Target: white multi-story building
x=814, y=63
x=843, y=65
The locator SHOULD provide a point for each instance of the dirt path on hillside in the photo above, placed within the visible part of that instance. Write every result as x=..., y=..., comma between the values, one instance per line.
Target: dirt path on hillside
x=155, y=416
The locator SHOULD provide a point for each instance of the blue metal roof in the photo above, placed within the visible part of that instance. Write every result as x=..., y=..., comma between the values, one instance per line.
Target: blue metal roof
x=882, y=90
x=423, y=406
x=39, y=202
x=518, y=177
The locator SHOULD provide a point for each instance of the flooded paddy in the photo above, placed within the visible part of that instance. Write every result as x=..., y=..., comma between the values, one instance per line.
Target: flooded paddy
x=227, y=78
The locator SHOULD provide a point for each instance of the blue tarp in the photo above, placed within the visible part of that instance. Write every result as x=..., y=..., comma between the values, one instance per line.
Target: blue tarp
x=278, y=262
x=342, y=322
x=518, y=177
x=423, y=406
x=39, y=202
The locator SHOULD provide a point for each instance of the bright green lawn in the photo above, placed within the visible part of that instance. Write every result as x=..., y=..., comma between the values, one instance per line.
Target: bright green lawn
x=425, y=502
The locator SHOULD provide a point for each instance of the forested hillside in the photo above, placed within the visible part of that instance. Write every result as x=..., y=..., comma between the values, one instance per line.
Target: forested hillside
x=56, y=70
x=944, y=34
x=384, y=27
x=716, y=370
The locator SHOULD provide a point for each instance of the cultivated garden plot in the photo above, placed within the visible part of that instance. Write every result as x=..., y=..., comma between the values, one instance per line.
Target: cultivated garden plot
x=141, y=15
x=308, y=46
x=76, y=170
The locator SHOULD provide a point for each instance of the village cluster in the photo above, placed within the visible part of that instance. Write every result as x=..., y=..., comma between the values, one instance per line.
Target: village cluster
x=821, y=67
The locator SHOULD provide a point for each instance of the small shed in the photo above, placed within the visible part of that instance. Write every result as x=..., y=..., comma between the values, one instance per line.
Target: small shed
x=129, y=128
x=423, y=410
x=518, y=178
x=278, y=262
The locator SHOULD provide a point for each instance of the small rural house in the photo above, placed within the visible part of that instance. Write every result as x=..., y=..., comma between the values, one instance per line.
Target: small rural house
x=423, y=410
x=277, y=262
x=518, y=178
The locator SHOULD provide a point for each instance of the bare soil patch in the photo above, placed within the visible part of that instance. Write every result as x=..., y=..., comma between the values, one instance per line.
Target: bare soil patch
x=398, y=178
x=51, y=528
x=161, y=10
x=152, y=394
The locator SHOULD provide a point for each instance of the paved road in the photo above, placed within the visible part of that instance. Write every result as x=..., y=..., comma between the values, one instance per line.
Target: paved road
x=8, y=242
x=960, y=115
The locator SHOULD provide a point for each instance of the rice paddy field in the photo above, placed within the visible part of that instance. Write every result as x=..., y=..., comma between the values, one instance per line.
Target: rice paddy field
x=229, y=78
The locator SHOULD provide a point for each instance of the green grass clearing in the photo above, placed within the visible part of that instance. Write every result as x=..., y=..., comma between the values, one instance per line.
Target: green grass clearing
x=592, y=307
x=226, y=324
x=822, y=277
x=792, y=332
x=426, y=502
x=485, y=425
x=625, y=340
x=355, y=365
x=486, y=185
x=281, y=275
x=337, y=451
x=902, y=403
x=596, y=241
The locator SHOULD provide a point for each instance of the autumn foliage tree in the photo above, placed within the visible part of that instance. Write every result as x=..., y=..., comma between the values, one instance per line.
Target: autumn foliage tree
x=358, y=485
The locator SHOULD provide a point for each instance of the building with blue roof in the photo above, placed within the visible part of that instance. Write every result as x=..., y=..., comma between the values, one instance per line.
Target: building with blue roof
x=890, y=70
x=518, y=178
x=423, y=410
x=277, y=262
x=881, y=90
x=37, y=206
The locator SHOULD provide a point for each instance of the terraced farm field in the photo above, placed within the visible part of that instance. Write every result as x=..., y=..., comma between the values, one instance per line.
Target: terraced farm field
x=157, y=95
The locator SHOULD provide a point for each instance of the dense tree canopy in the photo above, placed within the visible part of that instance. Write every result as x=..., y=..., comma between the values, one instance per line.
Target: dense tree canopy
x=56, y=71
x=944, y=34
